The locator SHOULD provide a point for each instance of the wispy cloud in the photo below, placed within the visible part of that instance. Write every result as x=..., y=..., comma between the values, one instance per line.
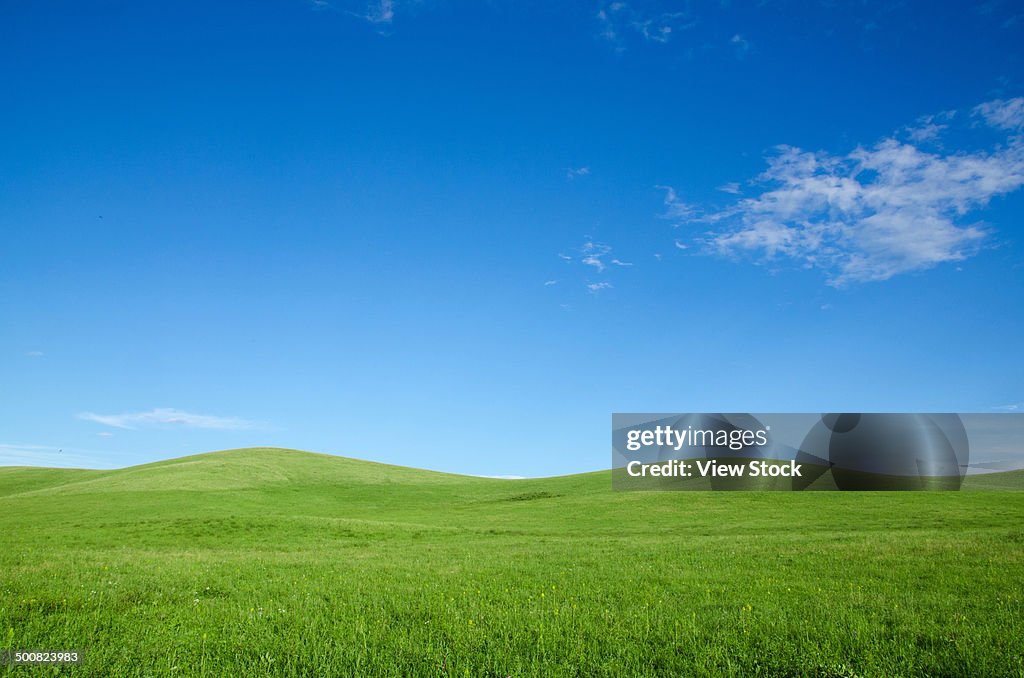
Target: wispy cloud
x=34, y=354
x=618, y=19
x=1015, y=407
x=573, y=172
x=929, y=127
x=875, y=212
x=733, y=187
x=549, y=283
x=167, y=416
x=48, y=455
x=597, y=257
x=381, y=12
x=592, y=253
x=675, y=208
x=995, y=10
x=1002, y=114
x=377, y=12
x=740, y=45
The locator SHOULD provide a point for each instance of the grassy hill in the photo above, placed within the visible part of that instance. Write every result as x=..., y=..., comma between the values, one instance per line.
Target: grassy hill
x=1005, y=480
x=278, y=562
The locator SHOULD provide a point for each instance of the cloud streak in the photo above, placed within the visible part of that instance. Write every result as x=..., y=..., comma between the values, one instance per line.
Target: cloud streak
x=376, y=12
x=618, y=19
x=876, y=212
x=381, y=12
x=593, y=253
x=740, y=45
x=1002, y=114
x=168, y=416
x=675, y=208
x=597, y=256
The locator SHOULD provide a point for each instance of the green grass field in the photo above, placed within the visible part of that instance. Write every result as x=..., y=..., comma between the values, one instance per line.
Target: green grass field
x=275, y=562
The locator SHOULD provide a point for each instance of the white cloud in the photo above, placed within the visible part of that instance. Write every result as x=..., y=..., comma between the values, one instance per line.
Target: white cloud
x=1002, y=114
x=167, y=416
x=381, y=12
x=675, y=208
x=929, y=127
x=34, y=354
x=549, y=283
x=608, y=26
x=925, y=132
x=1015, y=407
x=596, y=255
x=573, y=172
x=873, y=213
x=660, y=28
x=732, y=187
x=740, y=44
x=377, y=12
x=618, y=19
x=592, y=253
x=105, y=434
x=681, y=245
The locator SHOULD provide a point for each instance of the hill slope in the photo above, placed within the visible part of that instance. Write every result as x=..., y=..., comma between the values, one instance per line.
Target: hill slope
x=268, y=468
x=239, y=469
x=277, y=562
x=1003, y=480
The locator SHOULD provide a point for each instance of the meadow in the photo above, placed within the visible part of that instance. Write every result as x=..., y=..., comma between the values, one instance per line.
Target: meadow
x=287, y=563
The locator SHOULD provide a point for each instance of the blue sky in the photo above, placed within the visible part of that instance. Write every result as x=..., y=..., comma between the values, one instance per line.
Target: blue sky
x=460, y=235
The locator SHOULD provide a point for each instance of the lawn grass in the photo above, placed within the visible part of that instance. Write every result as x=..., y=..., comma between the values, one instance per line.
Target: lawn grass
x=277, y=562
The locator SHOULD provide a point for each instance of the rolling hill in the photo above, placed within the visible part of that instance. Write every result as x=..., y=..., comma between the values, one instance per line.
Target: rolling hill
x=279, y=562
